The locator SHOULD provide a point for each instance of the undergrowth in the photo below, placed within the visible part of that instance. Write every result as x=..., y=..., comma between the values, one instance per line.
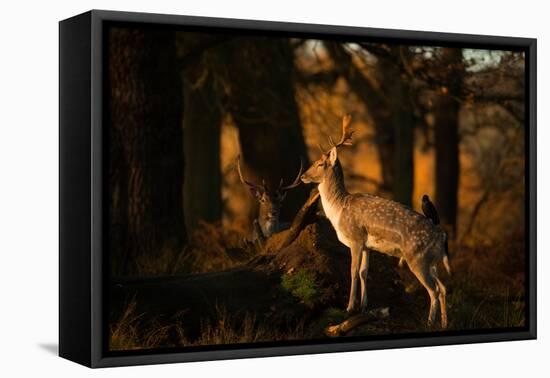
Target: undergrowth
x=134, y=331
x=303, y=285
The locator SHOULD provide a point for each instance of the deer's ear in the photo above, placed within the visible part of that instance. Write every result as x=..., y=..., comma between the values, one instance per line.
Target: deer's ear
x=333, y=155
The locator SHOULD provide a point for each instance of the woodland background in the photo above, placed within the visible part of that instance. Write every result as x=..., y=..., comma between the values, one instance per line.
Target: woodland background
x=27, y=205
x=448, y=122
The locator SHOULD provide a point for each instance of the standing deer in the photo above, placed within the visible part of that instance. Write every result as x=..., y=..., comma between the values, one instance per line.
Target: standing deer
x=270, y=202
x=366, y=222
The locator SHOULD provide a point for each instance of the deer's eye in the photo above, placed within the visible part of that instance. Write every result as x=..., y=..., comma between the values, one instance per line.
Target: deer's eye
x=320, y=164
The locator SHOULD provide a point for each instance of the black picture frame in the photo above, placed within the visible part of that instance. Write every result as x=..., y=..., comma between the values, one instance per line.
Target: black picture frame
x=82, y=319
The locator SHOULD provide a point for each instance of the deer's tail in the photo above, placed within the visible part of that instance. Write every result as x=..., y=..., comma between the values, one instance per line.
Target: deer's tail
x=446, y=262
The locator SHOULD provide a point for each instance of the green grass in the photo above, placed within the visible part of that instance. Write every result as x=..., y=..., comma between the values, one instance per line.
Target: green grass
x=303, y=285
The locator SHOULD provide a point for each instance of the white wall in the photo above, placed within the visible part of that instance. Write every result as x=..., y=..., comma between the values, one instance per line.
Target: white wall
x=29, y=189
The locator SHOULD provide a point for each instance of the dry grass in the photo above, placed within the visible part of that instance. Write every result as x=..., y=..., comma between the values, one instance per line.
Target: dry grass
x=486, y=291
x=490, y=291
x=215, y=248
x=472, y=308
x=211, y=248
x=129, y=332
x=228, y=329
x=135, y=331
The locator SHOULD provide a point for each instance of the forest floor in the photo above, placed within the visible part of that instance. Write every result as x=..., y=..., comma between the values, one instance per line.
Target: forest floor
x=231, y=293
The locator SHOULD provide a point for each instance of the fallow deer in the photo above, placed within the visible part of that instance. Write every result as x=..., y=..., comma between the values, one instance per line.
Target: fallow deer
x=270, y=202
x=365, y=222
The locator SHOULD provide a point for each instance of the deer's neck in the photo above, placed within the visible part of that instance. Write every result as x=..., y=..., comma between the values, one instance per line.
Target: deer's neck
x=269, y=221
x=333, y=193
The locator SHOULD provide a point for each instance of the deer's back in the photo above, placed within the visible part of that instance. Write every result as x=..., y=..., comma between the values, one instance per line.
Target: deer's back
x=388, y=226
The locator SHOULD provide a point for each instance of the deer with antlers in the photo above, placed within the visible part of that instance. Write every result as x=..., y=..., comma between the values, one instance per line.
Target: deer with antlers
x=269, y=203
x=365, y=222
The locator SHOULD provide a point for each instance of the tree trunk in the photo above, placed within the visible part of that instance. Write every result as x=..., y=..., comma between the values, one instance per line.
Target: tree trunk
x=202, y=121
x=446, y=138
x=260, y=74
x=145, y=143
x=202, y=124
x=402, y=125
x=393, y=118
x=378, y=108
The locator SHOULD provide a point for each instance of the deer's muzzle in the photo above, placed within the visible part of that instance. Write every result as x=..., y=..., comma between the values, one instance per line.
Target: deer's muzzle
x=305, y=179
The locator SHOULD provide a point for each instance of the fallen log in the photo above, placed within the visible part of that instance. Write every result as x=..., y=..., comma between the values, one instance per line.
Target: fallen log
x=305, y=216
x=301, y=219
x=196, y=299
x=357, y=320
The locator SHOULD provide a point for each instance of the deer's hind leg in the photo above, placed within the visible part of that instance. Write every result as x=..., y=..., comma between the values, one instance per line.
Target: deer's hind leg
x=423, y=273
x=442, y=299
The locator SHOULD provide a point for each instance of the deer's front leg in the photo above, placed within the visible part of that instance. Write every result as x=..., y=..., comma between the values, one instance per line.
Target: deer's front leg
x=363, y=272
x=355, y=261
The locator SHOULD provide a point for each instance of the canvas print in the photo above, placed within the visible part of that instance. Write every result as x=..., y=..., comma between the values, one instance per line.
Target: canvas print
x=271, y=189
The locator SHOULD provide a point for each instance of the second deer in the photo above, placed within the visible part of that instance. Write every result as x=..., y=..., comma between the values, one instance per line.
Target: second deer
x=269, y=204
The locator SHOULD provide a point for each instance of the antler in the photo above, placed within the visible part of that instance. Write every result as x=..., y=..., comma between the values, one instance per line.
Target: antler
x=253, y=186
x=345, y=140
x=296, y=181
x=264, y=188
